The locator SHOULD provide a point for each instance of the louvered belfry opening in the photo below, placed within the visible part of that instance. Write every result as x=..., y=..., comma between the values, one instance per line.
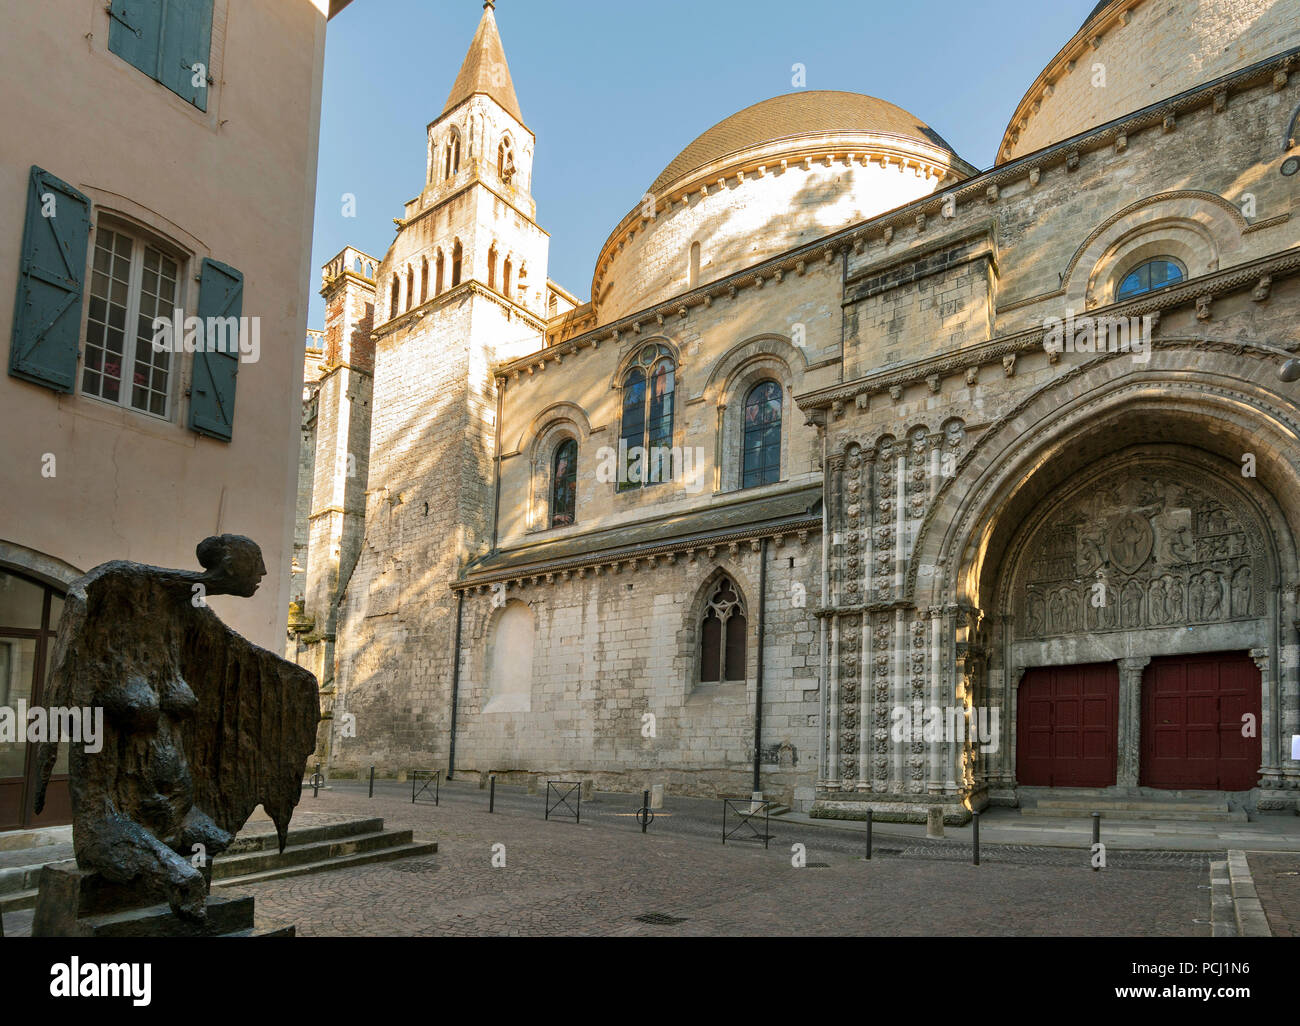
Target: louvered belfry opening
x=723, y=635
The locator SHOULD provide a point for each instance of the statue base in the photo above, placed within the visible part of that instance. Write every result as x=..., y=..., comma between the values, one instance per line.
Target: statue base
x=74, y=902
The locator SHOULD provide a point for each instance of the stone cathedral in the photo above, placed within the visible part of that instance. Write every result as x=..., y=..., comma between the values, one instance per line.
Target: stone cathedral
x=865, y=479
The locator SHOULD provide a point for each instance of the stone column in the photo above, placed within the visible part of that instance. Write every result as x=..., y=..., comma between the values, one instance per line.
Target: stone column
x=1130, y=721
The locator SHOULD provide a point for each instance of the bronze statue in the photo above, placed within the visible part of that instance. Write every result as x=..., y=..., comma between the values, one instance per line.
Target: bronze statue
x=200, y=725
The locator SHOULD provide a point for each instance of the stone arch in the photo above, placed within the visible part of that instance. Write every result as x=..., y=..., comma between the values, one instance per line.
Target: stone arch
x=1099, y=416
x=48, y=569
x=766, y=358
x=539, y=442
x=1202, y=229
x=626, y=360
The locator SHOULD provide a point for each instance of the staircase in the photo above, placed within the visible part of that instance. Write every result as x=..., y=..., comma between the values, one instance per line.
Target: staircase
x=256, y=857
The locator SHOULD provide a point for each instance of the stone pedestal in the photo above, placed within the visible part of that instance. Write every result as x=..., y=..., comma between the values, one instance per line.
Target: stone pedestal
x=656, y=796
x=74, y=902
x=934, y=822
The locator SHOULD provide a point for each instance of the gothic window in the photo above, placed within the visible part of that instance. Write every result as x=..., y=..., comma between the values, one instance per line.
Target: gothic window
x=647, y=432
x=723, y=635
x=1149, y=276
x=505, y=277
x=410, y=287
x=505, y=161
x=492, y=266
x=451, y=165
x=437, y=285
x=564, y=484
x=455, y=263
x=762, y=450
x=424, y=279
x=393, y=308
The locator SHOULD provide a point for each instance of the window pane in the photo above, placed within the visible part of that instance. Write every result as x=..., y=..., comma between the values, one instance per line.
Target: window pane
x=17, y=668
x=710, y=648
x=101, y=375
x=735, y=669
x=564, y=495
x=633, y=429
x=20, y=603
x=157, y=299
x=762, y=444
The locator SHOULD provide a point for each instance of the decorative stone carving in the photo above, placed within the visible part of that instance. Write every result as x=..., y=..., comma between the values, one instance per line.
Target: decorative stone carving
x=1137, y=549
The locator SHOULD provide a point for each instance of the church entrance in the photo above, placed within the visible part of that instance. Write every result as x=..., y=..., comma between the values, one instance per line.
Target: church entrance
x=1066, y=726
x=1193, y=733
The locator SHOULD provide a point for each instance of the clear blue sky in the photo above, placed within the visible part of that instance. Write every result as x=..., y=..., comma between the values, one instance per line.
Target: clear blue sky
x=614, y=89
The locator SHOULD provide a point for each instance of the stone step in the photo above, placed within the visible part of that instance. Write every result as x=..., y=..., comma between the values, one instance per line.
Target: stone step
x=339, y=862
x=226, y=914
x=1102, y=804
x=17, y=900
x=226, y=866
x=268, y=841
x=1193, y=814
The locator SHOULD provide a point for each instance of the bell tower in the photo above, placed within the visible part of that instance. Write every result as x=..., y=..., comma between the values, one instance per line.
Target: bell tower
x=463, y=286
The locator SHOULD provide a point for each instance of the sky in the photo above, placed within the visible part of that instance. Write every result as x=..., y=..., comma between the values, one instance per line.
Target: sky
x=614, y=89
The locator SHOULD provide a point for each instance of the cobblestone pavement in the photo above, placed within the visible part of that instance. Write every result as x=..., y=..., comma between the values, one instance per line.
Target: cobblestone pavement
x=596, y=877
x=1277, y=882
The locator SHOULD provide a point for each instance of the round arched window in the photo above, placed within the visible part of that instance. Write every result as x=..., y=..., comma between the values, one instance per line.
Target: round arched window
x=1150, y=276
x=762, y=452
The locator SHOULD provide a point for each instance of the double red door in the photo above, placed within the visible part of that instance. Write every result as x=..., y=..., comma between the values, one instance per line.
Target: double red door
x=1194, y=736
x=1066, y=726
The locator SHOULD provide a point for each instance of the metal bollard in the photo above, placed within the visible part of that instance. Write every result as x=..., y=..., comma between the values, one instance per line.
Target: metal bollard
x=868, y=834
x=492, y=794
x=975, y=822
x=1096, y=836
x=316, y=782
x=372, y=781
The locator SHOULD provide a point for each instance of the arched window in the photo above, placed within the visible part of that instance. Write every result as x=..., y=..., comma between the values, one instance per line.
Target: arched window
x=506, y=272
x=410, y=287
x=723, y=632
x=693, y=270
x=510, y=660
x=505, y=161
x=455, y=263
x=424, y=279
x=492, y=266
x=647, y=432
x=762, y=450
x=393, y=308
x=437, y=271
x=564, y=484
x=451, y=164
x=1149, y=276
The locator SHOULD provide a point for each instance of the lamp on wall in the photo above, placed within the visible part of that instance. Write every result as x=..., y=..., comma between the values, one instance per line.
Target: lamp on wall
x=1290, y=368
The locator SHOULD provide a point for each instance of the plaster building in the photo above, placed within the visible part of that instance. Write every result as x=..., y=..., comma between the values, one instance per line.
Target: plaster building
x=852, y=441
x=135, y=146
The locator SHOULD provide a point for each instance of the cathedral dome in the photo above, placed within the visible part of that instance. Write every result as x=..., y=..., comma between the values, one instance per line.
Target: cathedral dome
x=794, y=116
x=1129, y=54
x=771, y=177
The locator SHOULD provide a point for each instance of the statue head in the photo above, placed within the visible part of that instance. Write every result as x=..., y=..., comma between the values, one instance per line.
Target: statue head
x=233, y=563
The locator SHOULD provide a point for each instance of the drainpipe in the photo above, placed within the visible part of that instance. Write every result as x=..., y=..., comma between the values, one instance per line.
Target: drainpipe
x=455, y=687
x=758, y=689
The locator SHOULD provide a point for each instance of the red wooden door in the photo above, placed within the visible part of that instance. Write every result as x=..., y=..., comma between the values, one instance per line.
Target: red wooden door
x=1066, y=726
x=1192, y=709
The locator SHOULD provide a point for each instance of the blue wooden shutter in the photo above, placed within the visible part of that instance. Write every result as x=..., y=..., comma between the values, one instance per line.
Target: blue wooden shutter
x=186, y=41
x=51, y=279
x=135, y=32
x=212, y=390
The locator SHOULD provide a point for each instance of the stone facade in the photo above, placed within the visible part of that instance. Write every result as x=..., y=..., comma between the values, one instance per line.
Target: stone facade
x=961, y=495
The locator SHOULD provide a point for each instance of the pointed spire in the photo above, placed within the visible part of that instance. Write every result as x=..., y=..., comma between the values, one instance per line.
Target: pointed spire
x=485, y=69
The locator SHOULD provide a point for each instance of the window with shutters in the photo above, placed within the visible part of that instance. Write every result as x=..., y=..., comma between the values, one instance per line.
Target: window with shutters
x=168, y=40
x=723, y=634
x=132, y=281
